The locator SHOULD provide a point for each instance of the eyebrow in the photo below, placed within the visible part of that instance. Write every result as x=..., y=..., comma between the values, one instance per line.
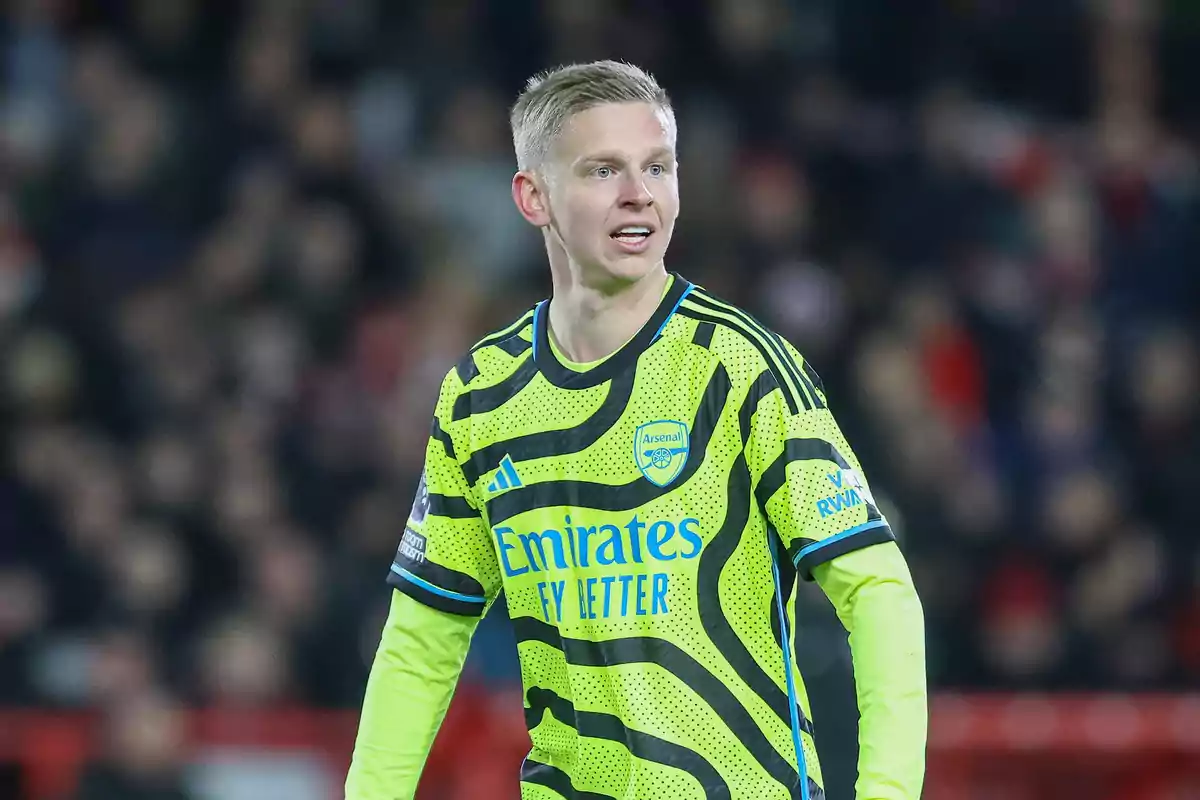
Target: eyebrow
x=611, y=155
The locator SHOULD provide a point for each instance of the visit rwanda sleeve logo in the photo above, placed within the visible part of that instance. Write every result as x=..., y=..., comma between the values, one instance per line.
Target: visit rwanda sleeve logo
x=660, y=449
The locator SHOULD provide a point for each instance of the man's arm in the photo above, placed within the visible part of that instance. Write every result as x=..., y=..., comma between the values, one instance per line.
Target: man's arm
x=876, y=601
x=812, y=489
x=420, y=657
x=445, y=576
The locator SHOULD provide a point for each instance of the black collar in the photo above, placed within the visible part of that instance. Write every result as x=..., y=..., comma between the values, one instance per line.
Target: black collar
x=566, y=378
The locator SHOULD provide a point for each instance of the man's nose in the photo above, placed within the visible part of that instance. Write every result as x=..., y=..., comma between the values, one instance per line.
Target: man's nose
x=635, y=192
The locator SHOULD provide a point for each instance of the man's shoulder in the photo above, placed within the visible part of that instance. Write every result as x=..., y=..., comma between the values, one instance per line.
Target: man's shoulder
x=493, y=357
x=750, y=350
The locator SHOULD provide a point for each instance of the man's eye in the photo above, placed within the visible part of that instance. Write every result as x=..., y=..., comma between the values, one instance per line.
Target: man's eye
x=657, y=170
x=603, y=172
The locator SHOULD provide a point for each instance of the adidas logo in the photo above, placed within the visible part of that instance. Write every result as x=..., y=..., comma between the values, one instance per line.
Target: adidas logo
x=506, y=477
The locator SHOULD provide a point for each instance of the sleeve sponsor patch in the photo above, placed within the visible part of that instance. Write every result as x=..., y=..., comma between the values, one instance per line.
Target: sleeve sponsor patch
x=412, y=548
x=848, y=490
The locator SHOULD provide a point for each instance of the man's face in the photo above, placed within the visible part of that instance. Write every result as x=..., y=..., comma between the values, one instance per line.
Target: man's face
x=613, y=193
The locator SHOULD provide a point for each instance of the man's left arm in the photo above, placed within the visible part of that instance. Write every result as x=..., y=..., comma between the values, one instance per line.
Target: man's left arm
x=812, y=490
x=876, y=601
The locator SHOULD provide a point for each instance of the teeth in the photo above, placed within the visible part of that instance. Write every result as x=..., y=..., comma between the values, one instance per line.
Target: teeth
x=634, y=230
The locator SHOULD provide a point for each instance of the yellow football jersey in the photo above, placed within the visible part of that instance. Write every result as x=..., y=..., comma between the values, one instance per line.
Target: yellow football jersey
x=646, y=518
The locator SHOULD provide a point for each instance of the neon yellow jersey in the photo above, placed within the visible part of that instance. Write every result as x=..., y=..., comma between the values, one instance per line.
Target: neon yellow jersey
x=646, y=519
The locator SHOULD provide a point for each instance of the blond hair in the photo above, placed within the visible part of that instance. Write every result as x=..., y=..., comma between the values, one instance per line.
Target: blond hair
x=552, y=97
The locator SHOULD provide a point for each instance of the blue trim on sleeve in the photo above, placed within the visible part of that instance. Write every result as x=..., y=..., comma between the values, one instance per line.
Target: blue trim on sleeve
x=429, y=587
x=812, y=548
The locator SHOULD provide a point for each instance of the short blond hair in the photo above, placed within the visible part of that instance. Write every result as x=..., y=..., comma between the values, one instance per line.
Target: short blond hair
x=552, y=97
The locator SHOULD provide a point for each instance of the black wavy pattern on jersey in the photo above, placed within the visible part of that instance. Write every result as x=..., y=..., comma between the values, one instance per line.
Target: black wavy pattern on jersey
x=489, y=398
x=555, y=780
x=514, y=345
x=501, y=334
x=696, y=314
x=689, y=671
x=645, y=746
x=794, y=396
x=763, y=385
x=704, y=334
x=443, y=437
x=561, y=442
x=467, y=369
x=606, y=497
x=774, y=341
x=441, y=505
x=708, y=599
x=774, y=476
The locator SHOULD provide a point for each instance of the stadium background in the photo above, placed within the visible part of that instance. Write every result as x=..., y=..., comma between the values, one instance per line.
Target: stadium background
x=240, y=244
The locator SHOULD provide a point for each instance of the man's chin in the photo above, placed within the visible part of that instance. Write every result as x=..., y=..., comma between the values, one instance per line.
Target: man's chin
x=632, y=268
x=614, y=274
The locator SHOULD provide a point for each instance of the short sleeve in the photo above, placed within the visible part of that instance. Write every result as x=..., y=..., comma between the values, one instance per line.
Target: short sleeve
x=446, y=559
x=808, y=482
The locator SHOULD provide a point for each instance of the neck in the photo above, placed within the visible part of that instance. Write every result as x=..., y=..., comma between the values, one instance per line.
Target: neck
x=592, y=322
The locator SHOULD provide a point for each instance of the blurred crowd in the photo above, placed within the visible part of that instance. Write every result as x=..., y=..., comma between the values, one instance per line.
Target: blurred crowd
x=239, y=249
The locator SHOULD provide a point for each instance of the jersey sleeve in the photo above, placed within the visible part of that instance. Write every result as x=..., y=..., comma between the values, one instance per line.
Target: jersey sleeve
x=807, y=481
x=446, y=559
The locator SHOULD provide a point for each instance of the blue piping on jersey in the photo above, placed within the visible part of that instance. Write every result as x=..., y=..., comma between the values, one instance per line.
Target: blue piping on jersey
x=429, y=587
x=866, y=526
x=674, y=308
x=537, y=314
x=801, y=766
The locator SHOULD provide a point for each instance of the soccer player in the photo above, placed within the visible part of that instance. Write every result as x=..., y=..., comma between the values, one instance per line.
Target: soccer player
x=645, y=471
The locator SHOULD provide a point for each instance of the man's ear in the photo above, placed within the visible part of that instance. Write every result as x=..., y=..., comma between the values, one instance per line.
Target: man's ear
x=529, y=194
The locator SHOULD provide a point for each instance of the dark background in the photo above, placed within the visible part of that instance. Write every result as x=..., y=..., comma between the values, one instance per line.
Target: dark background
x=240, y=244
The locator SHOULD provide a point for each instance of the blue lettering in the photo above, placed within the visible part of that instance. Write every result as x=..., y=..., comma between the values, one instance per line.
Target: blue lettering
x=835, y=478
x=648, y=541
x=616, y=550
x=504, y=548
x=555, y=539
x=659, y=534
x=831, y=505
x=570, y=539
x=582, y=608
x=584, y=533
x=591, y=598
x=559, y=588
x=659, y=594
x=687, y=529
x=641, y=595
x=625, y=581
x=541, y=587
x=635, y=527
x=607, y=580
